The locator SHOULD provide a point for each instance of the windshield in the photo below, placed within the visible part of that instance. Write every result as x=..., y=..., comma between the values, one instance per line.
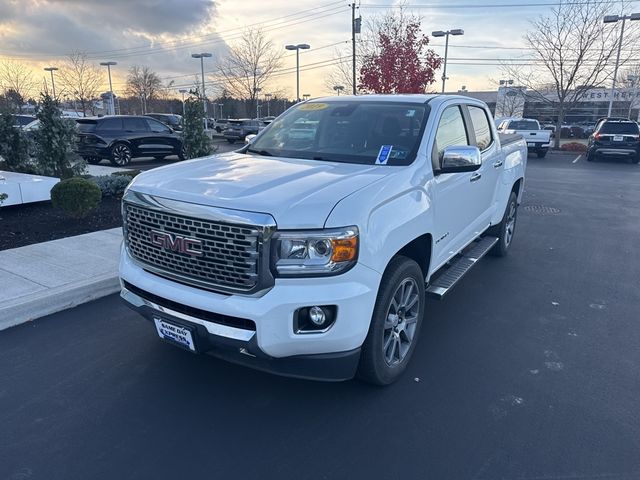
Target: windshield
x=386, y=133
x=523, y=125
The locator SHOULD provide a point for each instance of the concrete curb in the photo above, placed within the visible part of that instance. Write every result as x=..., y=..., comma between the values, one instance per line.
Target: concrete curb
x=40, y=304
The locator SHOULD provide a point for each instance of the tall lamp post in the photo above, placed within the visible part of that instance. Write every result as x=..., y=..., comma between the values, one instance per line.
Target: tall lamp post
x=53, y=83
x=112, y=106
x=297, y=48
x=338, y=89
x=257, y=94
x=268, y=97
x=633, y=80
x=615, y=19
x=202, y=56
x=440, y=33
x=183, y=91
x=221, y=105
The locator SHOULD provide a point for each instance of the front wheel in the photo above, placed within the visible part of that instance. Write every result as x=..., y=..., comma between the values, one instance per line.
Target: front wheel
x=395, y=325
x=506, y=228
x=182, y=153
x=121, y=155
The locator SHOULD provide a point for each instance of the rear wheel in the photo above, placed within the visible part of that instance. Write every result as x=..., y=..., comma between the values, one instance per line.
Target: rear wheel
x=395, y=324
x=121, y=155
x=591, y=157
x=506, y=228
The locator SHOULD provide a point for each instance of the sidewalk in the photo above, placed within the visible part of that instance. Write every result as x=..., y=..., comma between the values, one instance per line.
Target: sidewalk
x=45, y=278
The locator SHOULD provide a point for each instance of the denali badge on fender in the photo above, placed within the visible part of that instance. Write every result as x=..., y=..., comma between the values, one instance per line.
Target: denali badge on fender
x=176, y=243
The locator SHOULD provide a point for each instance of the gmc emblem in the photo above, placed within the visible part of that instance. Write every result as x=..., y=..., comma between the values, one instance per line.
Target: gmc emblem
x=176, y=243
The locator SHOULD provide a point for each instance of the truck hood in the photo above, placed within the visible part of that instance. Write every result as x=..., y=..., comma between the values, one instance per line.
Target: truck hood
x=296, y=193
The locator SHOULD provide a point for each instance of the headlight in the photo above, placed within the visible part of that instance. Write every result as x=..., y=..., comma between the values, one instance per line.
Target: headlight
x=315, y=252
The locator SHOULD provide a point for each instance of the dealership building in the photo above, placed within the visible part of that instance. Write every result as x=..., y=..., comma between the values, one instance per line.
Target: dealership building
x=513, y=101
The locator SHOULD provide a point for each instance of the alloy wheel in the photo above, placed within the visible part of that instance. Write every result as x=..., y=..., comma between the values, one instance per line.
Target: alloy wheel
x=121, y=155
x=401, y=322
x=511, y=224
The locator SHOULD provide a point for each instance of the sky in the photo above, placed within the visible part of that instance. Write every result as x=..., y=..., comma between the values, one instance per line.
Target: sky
x=164, y=33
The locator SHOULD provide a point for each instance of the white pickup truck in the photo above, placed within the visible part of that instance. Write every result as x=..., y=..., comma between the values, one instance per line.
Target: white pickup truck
x=311, y=255
x=538, y=140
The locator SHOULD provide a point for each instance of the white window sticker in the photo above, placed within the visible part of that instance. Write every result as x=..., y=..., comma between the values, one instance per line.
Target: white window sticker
x=384, y=154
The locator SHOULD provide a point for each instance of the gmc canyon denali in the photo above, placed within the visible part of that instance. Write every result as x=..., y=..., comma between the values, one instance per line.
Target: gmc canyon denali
x=310, y=255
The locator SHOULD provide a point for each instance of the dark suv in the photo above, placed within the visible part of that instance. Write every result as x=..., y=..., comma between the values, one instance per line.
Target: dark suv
x=239, y=129
x=121, y=138
x=615, y=137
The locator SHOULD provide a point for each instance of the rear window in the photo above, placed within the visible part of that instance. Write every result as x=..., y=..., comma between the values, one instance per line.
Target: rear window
x=523, y=125
x=86, y=126
x=624, y=128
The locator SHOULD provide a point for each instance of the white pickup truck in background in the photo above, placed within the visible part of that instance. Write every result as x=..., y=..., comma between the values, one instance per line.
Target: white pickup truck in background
x=538, y=140
x=310, y=255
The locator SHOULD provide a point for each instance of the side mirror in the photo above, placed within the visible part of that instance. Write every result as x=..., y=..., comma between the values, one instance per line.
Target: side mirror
x=460, y=159
x=249, y=138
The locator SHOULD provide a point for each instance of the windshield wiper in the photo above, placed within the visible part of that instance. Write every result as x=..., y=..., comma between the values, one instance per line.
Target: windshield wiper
x=260, y=152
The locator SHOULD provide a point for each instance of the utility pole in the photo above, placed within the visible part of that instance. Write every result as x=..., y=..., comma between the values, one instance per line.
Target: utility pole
x=356, y=27
x=614, y=19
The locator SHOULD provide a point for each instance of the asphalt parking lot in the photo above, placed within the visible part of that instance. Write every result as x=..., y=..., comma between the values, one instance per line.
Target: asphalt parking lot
x=528, y=370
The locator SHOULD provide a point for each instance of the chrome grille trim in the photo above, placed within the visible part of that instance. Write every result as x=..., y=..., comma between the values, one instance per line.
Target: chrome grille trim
x=235, y=244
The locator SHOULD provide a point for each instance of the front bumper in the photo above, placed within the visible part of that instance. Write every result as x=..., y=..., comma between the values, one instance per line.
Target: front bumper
x=273, y=346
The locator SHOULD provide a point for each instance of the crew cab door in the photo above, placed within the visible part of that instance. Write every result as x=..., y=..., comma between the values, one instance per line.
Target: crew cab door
x=463, y=201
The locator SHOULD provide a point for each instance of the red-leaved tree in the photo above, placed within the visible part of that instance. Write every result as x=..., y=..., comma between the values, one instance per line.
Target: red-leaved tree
x=401, y=61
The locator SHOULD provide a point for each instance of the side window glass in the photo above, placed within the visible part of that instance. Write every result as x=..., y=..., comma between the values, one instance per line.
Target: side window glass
x=135, y=124
x=450, y=132
x=110, y=124
x=156, y=126
x=481, y=127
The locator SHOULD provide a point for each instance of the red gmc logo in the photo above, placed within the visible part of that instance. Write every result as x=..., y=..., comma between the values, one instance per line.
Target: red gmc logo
x=176, y=243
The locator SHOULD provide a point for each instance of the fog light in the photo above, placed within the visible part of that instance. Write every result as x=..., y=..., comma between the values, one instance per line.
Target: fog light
x=317, y=316
x=315, y=319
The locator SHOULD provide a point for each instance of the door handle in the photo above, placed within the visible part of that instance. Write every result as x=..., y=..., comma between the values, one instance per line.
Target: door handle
x=475, y=177
x=497, y=164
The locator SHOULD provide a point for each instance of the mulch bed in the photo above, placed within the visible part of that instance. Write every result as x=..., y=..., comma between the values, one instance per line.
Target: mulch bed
x=22, y=225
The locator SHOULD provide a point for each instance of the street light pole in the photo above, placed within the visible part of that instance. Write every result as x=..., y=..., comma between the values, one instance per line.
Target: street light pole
x=440, y=33
x=53, y=83
x=112, y=106
x=268, y=97
x=221, y=105
x=633, y=79
x=202, y=56
x=614, y=19
x=297, y=48
x=182, y=91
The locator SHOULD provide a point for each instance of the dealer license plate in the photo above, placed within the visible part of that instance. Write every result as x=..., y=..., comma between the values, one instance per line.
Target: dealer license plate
x=618, y=138
x=175, y=333
x=531, y=144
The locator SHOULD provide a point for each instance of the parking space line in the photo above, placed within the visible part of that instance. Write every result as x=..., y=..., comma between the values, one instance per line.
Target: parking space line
x=577, y=158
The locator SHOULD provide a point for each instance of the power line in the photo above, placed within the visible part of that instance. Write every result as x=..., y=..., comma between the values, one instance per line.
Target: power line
x=493, y=5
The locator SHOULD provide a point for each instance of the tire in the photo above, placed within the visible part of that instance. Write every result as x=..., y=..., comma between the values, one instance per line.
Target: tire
x=542, y=153
x=506, y=228
x=182, y=153
x=121, y=155
x=397, y=331
x=93, y=160
x=591, y=157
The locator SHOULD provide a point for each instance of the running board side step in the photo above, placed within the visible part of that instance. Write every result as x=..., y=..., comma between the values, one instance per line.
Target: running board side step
x=445, y=282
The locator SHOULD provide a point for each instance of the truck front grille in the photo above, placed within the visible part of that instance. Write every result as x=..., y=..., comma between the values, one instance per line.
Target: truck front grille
x=229, y=259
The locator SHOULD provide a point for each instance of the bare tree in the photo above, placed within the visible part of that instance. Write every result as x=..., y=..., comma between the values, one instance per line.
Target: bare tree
x=80, y=79
x=341, y=73
x=143, y=83
x=249, y=65
x=572, y=53
x=16, y=77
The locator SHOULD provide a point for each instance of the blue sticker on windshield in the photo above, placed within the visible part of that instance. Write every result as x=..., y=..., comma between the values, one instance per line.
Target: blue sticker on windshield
x=384, y=154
